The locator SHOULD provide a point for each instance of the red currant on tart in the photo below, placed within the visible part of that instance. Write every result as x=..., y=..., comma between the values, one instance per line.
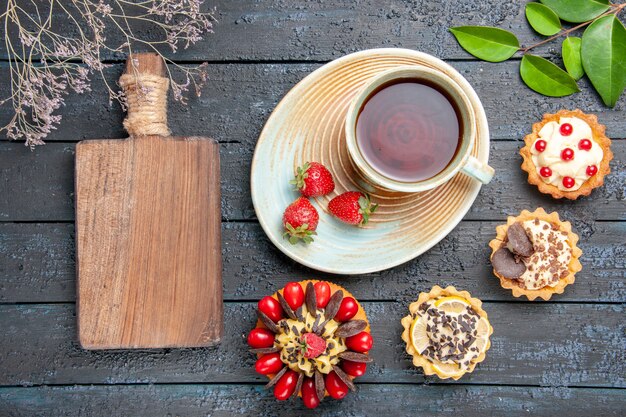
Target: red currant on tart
x=566, y=129
x=567, y=154
x=584, y=144
x=592, y=170
x=540, y=145
x=312, y=339
x=545, y=172
x=568, y=182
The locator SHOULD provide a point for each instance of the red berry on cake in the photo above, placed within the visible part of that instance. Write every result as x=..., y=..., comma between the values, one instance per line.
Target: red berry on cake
x=545, y=172
x=294, y=295
x=566, y=129
x=309, y=395
x=584, y=144
x=567, y=154
x=568, y=182
x=260, y=338
x=592, y=170
x=268, y=364
x=322, y=293
x=312, y=345
x=271, y=308
x=348, y=309
x=354, y=368
x=312, y=353
x=540, y=145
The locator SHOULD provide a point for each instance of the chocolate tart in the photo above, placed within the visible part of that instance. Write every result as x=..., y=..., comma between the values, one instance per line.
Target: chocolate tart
x=589, y=182
x=463, y=325
x=559, y=279
x=329, y=326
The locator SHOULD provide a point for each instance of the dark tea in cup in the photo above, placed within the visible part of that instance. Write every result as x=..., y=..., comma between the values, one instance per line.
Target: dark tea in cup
x=409, y=130
x=413, y=128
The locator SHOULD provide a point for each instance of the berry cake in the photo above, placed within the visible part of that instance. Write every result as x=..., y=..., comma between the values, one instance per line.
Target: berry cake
x=567, y=155
x=311, y=340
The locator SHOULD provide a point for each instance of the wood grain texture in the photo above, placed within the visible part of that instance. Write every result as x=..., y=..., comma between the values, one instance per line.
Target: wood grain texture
x=148, y=243
x=196, y=400
x=259, y=51
x=238, y=99
x=535, y=344
x=324, y=30
x=38, y=186
x=148, y=228
x=37, y=265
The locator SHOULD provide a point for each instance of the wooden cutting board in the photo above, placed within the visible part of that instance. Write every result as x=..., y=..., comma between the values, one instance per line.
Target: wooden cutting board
x=148, y=233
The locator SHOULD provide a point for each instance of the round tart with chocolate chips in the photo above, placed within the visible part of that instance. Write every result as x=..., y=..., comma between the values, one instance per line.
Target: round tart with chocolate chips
x=447, y=332
x=311, y=340
x=535, y=254
x=567, y=154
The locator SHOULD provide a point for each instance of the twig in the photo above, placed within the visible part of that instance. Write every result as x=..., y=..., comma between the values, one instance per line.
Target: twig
x=42, y=60
x=613, y=10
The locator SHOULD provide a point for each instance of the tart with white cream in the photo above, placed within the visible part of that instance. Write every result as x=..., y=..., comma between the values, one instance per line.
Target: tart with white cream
x=447, y=332
x=567, y=154
x=535, y=254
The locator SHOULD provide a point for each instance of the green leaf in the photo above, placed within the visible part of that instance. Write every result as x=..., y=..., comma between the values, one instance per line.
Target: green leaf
x=487, y=43
x=577, y=11
x=546, y=78
x=604, y=57
x=572, y=58
x=543, y=19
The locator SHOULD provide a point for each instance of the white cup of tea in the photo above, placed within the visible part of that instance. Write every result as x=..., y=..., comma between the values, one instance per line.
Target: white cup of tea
x=413, y=128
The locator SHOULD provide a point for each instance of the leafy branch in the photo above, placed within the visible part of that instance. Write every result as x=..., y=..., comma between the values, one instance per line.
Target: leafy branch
x=600, y=53
x=55, y=46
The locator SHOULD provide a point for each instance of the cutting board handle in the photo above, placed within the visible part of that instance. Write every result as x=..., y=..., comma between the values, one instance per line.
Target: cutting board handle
x=145, y=86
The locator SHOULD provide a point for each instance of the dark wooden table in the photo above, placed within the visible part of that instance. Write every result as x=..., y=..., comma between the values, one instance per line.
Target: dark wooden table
x=563, y=357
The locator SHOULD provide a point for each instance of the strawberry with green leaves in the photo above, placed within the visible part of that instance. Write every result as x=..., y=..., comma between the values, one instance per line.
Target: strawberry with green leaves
x=300, y=221
x=312, y=345
x=313, y=180
x=352, y=207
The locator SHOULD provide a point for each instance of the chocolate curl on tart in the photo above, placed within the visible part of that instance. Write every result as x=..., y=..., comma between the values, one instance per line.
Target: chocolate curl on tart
x=311, y=341
x=417, y=307
x=499, y=246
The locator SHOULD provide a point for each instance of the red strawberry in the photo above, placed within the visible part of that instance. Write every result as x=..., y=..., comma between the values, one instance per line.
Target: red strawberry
x=312, y=345
x=313, y=180
x=352, y=207
x=300, y=221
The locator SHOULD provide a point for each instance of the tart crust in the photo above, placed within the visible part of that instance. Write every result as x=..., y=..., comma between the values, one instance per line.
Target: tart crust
x=423, y=362
x=360, y=315
x=572, y=239
x=599, y=137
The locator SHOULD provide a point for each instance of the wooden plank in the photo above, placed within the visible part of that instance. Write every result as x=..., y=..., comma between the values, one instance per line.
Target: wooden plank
x=251, y=400
x=38, y=186
x=37, y=261
x=148, y=224
x=535, y=344
x=37, y=265
x=275, y=30
x=239, y=98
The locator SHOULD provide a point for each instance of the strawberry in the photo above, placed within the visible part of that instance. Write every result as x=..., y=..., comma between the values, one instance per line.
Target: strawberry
x=352, y=207
x=300, y=221
x=313, y=180
x=312, y=345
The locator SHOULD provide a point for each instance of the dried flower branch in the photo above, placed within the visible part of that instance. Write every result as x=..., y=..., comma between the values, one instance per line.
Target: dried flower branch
x=55, y=46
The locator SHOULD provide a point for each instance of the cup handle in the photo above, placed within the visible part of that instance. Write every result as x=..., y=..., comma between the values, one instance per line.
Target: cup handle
x=478, y=170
